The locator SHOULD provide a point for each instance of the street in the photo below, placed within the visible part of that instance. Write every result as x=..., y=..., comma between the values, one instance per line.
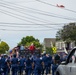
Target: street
x=24, y=73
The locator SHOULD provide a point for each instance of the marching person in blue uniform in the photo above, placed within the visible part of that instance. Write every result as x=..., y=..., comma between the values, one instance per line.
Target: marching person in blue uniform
x=21, y=64
x=0, y=66
x=14, y=65
x=5, y=64
x=38, y=66
x=45, y=60
x=49, y=62
x=28, y=65
x=56, y=62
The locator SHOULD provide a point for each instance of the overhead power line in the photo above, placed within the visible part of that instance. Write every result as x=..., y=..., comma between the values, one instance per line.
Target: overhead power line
x=19, y=26
x=33, y=24
x=42, y=14
x=14, y=15
x=36, y=26
x=26, y=30
x=22, y=16
x=33, y=17
x=57, y=16
x=22, y=25
x=20, y=9
x=23, y=1
x=55, y=6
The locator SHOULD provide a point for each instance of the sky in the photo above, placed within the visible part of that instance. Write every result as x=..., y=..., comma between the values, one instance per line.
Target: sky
x=38, y=18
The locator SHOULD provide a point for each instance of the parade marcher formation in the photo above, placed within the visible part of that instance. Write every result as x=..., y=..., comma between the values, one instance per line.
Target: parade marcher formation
x=34, y=64
x=29, y=65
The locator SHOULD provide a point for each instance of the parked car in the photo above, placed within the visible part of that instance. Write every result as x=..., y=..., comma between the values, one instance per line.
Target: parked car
x=68, y=67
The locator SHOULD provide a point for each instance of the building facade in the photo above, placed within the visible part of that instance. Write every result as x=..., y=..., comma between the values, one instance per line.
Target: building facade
x=60, y=45
x=49, y=42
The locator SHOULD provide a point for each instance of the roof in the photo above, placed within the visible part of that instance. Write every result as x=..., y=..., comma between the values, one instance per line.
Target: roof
x=50, y=39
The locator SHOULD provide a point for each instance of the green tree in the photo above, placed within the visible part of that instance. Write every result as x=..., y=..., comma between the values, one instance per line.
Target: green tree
x=3, y=47
x=26, y=41
x=67, y=33
x=49, y=50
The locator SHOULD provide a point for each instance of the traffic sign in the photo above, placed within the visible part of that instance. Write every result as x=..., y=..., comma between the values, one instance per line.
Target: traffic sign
x=54, y=49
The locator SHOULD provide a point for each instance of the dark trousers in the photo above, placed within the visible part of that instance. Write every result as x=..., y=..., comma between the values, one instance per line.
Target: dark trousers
x=54, y=67
x=28, y=71
x=37, y=71
x=14, y=70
